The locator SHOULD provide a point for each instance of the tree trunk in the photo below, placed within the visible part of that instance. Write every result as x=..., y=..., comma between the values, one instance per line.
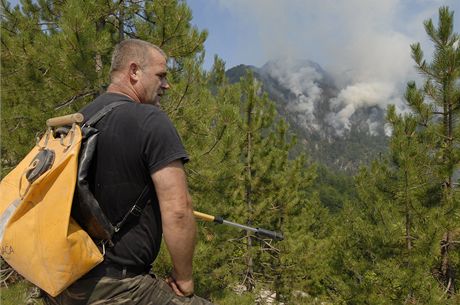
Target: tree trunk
x=408, y=220
x=249, y=279
x=98, y=58
x=121, y=21
x=447, y=270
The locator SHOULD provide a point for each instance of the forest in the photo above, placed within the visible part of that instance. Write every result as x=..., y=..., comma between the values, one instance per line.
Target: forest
x=389, y=234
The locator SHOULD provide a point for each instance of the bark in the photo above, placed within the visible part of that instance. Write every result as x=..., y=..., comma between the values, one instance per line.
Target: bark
x=121, y=22
x=447, y=271
x=249, y=279
x=408, y=219
x=98, y=58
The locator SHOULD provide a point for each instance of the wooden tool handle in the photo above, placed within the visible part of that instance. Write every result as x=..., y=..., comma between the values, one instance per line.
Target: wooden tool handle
x=65, y=120
x=203, y=216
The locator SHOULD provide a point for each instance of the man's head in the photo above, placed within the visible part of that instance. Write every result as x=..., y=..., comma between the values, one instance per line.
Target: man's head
x=139, y=71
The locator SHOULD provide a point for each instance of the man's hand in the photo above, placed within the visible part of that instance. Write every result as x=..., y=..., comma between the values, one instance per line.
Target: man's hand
x=182, y=288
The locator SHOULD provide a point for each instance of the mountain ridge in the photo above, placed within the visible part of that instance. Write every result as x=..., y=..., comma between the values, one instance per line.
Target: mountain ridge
x=306, y=96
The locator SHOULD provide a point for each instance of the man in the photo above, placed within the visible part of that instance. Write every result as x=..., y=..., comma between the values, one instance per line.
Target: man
x=139, y=146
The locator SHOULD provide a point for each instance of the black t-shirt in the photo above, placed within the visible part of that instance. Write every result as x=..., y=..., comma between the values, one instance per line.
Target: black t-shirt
x=134, y=141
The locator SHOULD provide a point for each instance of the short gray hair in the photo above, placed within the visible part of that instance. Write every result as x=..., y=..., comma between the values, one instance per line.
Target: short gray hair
x=131, y=49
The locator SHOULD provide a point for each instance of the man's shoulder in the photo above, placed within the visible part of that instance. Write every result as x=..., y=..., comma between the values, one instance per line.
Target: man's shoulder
x=127, y=110
x=104, y=100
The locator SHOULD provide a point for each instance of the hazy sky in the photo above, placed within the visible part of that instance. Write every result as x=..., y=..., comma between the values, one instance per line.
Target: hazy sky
x=343, y=34
x=347, y=34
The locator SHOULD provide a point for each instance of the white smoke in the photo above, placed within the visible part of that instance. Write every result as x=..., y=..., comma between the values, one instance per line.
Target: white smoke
x=360, y=95
x=364, y=44
x=302, y=80
x=388, y=129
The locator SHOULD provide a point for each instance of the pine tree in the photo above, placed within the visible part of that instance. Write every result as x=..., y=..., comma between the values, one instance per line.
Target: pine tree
x=249, y=178
x=437, y=105
x=56, y=56
x=399, y=245
x=416, y=195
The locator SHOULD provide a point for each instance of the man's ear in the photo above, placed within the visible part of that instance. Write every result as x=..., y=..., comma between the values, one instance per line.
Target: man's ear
x=134, y=71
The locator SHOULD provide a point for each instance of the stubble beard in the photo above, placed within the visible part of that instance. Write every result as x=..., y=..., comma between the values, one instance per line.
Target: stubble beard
x=155, y=99
x=152, y=99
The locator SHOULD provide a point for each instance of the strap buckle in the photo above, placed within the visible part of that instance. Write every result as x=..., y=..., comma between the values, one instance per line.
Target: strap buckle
x=136, y=211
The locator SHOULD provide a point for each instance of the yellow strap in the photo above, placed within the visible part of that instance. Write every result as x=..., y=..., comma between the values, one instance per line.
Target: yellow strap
x=32, y=166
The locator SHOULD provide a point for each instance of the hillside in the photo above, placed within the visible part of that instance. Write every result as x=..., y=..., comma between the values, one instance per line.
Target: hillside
x=306, y=96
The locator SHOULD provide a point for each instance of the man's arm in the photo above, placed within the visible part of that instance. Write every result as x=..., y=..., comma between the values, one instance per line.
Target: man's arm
x=179, y=228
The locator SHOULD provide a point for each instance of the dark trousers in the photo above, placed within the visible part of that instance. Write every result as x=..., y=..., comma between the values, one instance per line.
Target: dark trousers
x=121, y=289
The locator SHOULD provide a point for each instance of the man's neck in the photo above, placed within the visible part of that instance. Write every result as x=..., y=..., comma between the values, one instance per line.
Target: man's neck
x=120, y=89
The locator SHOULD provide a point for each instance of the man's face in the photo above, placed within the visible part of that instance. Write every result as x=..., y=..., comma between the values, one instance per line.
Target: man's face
x=152, y=82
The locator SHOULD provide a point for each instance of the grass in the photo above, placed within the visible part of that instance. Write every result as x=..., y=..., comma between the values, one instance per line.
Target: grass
x=18, y=294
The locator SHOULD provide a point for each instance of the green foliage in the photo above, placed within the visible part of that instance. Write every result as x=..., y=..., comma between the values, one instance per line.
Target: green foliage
x=335, y=188
x=56, y=56
x=397, y=241
x=241, y=170
x=439, y=134
x=19, y=293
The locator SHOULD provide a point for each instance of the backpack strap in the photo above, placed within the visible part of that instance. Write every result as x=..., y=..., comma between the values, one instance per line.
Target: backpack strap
x=101, y=113
x=145, y=196
x=136, y=210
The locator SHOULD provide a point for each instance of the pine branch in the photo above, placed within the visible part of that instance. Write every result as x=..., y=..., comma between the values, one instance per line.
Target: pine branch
x=175, y=30
x=145, y=18
x=185, y=54
x=75, y=98
x=184, y=93
x=173, y=37
x=219, y=137
x=64, y=83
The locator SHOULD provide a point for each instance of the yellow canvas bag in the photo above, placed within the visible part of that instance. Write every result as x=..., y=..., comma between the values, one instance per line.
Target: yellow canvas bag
x=38, y=236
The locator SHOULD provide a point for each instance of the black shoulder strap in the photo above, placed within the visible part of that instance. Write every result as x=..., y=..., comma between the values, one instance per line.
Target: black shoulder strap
x=136, y=210
x=101, y=113
x=145, y=197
